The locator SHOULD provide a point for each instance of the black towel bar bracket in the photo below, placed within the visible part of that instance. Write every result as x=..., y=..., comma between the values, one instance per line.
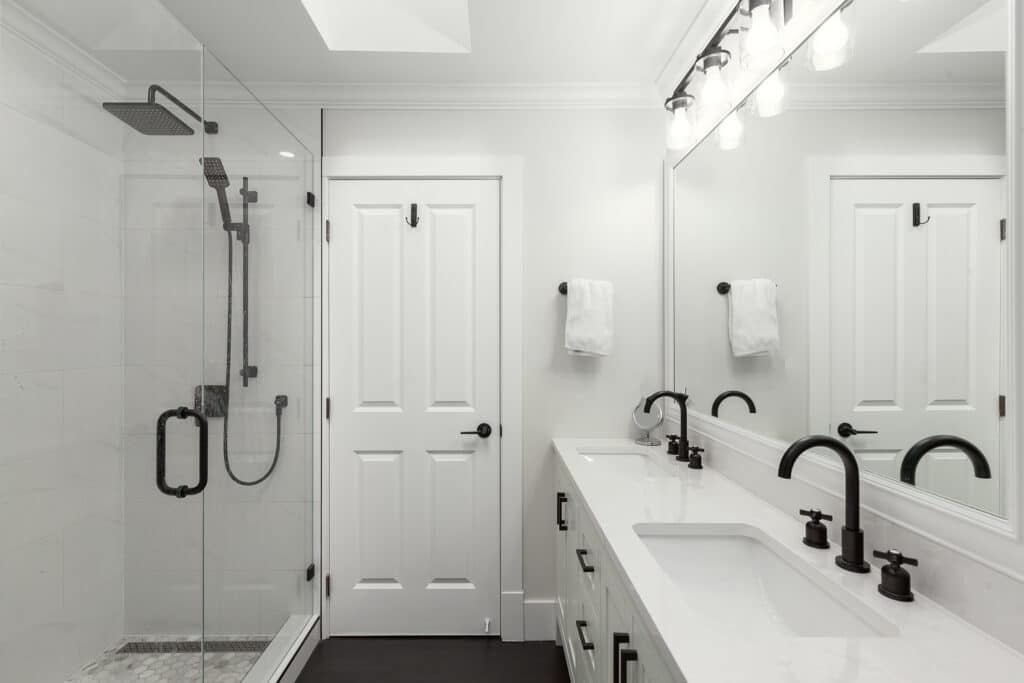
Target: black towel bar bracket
x=563, y=288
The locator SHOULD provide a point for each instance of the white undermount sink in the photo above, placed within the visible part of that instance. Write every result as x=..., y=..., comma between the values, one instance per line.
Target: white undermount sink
x=740, y=580
x=625, y=462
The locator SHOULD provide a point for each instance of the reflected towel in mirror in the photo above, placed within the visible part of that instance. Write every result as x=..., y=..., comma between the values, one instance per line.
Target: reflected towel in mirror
x=753, y=318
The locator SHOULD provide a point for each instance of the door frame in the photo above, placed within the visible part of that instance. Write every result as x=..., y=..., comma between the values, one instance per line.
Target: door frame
x=821, y=171
x=508, y=172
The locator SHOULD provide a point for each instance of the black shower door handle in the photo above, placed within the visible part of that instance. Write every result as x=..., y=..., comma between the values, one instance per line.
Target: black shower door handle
x=181, y=413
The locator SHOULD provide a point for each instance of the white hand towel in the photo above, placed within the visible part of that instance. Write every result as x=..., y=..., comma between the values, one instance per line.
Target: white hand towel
x=588, y=318
x=753, y=318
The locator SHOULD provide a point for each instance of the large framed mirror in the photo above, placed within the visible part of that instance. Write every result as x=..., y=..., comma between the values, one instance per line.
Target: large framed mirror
x=841, y=260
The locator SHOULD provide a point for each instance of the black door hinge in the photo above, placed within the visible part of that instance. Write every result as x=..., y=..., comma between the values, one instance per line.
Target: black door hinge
x=311, y=199
x=327, y=233
x=327, y=585
x=310, y=572
x=327, y=409
x=1002, y=230
x=1002, y=406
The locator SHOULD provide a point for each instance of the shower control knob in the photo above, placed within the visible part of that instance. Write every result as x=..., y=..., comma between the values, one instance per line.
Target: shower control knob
x=483, y=430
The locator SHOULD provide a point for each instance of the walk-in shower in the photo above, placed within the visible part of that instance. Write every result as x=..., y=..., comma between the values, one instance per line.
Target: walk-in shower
x=128, y=333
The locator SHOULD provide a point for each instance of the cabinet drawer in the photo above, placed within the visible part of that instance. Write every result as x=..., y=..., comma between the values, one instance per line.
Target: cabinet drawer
x=588, y=560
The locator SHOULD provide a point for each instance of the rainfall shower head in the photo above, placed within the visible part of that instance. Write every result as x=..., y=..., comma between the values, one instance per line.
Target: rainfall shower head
x=152, y=118
x=149, y=118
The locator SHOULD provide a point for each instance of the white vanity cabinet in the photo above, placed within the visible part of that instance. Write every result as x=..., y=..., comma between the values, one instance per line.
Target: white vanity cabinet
x=598, y=623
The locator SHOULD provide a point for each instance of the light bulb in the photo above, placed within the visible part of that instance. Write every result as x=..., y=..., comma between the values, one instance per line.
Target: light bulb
x=714, y=97
x=763, y=43
x=770, y=96
x=831, y=45
x=680, y=130
x=730, y=132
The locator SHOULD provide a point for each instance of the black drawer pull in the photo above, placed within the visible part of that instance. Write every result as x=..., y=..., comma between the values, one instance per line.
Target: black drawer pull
x=560, y=501
x=584, y=643
x=587, y=568
x=625, y=657
x=618, y=640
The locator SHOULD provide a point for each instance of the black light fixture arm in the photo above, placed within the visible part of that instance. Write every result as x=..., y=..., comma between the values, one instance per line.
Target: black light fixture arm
x=211, y=127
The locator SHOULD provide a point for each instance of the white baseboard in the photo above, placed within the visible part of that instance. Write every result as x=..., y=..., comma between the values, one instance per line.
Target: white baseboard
x=539, y=618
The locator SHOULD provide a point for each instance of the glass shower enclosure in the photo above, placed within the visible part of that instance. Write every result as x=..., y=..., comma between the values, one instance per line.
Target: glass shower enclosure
x=156, y=356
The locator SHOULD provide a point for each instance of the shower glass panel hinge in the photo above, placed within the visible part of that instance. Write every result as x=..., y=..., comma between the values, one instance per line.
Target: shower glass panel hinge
x=327, y=585
x=327, y=231
x=1002, y=230
x=211, y=400
x=311, y=199
x=310, y=572
x=1002, y=406
x=327, y=409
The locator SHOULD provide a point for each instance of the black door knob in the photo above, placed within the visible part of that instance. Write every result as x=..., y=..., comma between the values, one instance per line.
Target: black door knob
x=846, y=430
x=483, y=430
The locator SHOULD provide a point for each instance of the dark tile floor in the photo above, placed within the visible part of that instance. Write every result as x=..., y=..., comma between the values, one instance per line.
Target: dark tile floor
x=434, y=660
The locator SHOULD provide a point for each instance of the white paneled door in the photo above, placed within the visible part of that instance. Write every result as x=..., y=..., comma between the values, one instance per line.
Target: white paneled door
x=414, y=358
x=915, y=315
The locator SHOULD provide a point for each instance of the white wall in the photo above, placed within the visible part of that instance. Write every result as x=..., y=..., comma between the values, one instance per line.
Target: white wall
x=744, y=213
x=592, y=208
x=60, y=366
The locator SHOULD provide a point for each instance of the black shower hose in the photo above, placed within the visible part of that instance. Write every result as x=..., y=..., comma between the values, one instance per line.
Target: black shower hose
x=279, y=403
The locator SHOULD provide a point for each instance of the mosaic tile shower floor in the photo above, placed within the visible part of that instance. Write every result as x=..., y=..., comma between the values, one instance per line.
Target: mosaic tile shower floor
x=125, y=663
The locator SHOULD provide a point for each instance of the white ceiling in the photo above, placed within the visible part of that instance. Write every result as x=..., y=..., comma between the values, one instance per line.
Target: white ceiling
x=513, y=41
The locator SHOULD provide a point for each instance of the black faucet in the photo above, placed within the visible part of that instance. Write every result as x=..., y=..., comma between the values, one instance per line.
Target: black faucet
x=852, y=557
x=678, y=447
x=730, y=394
x=908, y=468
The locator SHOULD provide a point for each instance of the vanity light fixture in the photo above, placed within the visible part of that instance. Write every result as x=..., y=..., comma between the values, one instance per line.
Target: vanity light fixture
x=680, y=127
x=763, y=43
x=730, y=132
x=830, y=47
x=771, y=95
x=714, y=98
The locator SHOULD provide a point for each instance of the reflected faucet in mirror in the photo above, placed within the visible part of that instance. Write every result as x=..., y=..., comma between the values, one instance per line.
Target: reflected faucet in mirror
x=852, y=557
x=908, y=468
x=679, y=446
x=733, y=393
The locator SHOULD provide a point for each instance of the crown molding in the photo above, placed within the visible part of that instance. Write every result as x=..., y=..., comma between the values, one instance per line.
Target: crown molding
x=19, y=24
x=439, y=96
x=895, y=96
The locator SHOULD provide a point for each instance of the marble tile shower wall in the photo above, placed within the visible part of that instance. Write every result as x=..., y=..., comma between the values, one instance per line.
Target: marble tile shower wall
x=257, y=540
x=61, y=565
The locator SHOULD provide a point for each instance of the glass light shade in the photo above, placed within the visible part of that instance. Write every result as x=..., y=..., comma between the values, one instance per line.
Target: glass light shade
x=730, y=132
x=714, y=97
x=830, y=47
x=770, y=96
x=680, y=129
x=763, y=43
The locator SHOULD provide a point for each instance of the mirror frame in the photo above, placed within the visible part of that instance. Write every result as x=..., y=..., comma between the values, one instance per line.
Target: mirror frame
x=996, y=542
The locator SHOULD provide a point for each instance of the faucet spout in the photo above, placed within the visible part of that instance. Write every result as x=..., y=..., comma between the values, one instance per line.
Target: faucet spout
x=734, y=393
x=908, y=468
x=682, y=449
x=852, y=557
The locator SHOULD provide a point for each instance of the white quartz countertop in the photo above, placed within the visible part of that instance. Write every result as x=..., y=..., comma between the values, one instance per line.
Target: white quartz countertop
x=928, y=644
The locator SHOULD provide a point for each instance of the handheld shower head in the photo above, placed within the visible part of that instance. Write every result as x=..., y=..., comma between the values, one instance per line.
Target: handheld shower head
x=216, y=176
